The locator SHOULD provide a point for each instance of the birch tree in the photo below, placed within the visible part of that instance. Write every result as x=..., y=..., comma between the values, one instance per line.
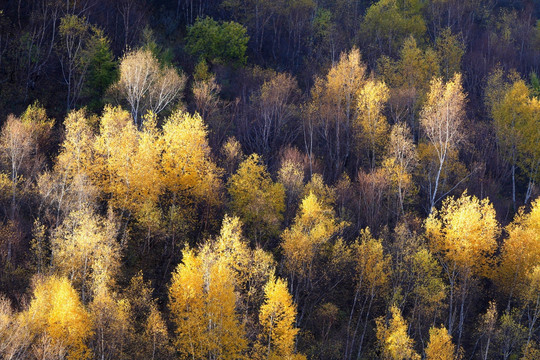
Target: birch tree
x=442, y=122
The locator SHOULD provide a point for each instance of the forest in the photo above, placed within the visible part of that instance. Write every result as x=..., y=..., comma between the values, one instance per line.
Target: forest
x=285, y=179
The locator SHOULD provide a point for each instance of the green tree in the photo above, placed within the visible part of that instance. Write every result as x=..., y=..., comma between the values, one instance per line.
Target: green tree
x=102, y=70
x=388, y=22
x=224, y=42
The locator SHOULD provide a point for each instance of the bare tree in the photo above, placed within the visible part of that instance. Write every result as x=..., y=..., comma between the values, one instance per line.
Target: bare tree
x=275, y=111
x=146, y=85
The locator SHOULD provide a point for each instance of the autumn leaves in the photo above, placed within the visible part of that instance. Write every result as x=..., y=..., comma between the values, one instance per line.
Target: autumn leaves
x=216, y=294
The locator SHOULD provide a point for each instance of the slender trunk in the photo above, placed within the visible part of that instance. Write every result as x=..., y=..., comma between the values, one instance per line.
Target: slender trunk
x=513, y=183
x=349, y=325
x=349, y=356
x=487, y=348
x=532, y=321
x=437, y=179
x=365, y=327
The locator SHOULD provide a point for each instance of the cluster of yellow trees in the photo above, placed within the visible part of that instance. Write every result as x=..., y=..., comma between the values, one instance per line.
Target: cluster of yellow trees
x=75, y=310
x=116, y=187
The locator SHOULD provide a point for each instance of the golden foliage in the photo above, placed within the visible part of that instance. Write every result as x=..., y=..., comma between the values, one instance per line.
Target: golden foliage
x=464, y=231
x=202, y=304
x=372, y=266
x=393, y=340
x=84, y=249
x=441, y=120
x=186, y=161
x=57, y=312
x=277, y=317
x=314, y=226
x=251, y=269
x=440, y=346
x=373, y=125
x=111, y=324
x=520, y=251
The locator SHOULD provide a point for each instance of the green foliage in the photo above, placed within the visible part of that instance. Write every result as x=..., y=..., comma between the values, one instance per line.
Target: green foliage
x=224, y=42
x=102, y=70
x=388, y=22
x=450, y=50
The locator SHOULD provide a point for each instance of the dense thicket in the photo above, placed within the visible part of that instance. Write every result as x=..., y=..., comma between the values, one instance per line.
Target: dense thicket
x=230, y=179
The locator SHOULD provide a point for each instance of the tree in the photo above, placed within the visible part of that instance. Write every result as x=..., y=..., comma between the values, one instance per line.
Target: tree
x=388, y=22
x=429, y=289
x=127, y=163
x=251, y=268
x=206, y=96
x=224, y=42
x=519, y=272
x=256, y=199
x=532, y=300
x=393, y=340
x=441, y=121
x=186, y=159
x=202, y=304
x=332, y=110
x=488, y=322
x=530, y=159
x=277, y=318
x=102, y=70
x=507, y=112
x=520, y=251
x=440, y=346
x=21, y=144
x=372, y=273
x=111, y=324
x=276, y=111
x=372, y=194
x=464, y=234
x=148, y=85
x=400, y=162
x=450, y=50
x=409, y=78
x=372, y=122
x=147, y=333
x=84, y=249
x=313, y=229
x=515, y=110
x=15, y=338
x=57, y=313
x=69, y=186
x=291, y=174
x=75, y=34
x=190, y=177
x=156, y=334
